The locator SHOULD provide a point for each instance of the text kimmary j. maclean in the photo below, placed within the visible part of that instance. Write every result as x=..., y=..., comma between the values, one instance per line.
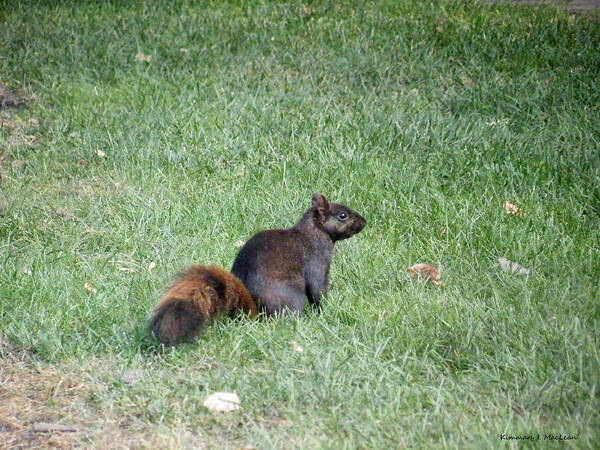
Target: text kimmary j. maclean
x=537, y=437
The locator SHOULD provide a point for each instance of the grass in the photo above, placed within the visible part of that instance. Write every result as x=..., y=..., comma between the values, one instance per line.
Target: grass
x=219, y=119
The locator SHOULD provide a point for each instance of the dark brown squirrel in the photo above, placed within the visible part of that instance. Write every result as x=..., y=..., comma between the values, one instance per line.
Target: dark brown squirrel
x=275, y=272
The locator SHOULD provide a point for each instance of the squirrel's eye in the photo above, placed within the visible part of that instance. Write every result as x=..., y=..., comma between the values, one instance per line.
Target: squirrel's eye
x=342, y=215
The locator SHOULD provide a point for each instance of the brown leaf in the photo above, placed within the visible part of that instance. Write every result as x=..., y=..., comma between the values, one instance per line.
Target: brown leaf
x=467, y=82
x=88, y=287
x=511, y=209
x=426, y=272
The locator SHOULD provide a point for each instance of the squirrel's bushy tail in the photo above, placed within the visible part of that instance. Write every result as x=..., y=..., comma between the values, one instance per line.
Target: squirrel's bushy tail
x=197, y=296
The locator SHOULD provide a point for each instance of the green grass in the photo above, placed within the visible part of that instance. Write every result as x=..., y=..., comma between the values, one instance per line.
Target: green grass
x=419, y=115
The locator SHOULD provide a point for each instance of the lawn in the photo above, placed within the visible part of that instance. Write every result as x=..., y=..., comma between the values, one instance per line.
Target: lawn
x=160, y=134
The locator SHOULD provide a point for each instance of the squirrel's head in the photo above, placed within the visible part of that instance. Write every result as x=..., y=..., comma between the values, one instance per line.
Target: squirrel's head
x=337, y=220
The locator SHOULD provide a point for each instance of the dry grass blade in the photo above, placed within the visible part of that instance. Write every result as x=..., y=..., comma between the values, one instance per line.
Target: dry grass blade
x=45, y=427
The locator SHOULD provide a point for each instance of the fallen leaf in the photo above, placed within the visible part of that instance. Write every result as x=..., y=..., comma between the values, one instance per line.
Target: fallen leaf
x=222, y=401
x=511, y=209
x=30, y=140
x=467, y=82
x=26, y=271
x=296, y=347
x=440, y=29
x=239, y=243
x=184, y=50
x=426, y=272
x=443, y=231
x=88, y=287
x=101, y=154
x=141, y=57
x=240, y=173
x=512, y=267
x=151, y=266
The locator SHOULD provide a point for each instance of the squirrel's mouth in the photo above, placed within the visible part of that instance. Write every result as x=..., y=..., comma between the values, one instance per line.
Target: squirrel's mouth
x=359, y=225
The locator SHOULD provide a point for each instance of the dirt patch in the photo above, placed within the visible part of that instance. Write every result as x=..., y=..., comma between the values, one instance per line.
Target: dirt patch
x=9, y=99
x=30, y=394
x=15, y=354
x=16, y=134
x=54, y=407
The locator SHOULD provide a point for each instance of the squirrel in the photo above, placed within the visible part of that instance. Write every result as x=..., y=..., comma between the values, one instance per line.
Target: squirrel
x=275, y=272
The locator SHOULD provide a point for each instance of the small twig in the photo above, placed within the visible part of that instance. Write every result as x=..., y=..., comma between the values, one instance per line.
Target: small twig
x=43, y=427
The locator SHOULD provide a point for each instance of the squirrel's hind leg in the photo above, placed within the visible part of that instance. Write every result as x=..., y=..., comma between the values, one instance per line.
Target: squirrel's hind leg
x=282, y=299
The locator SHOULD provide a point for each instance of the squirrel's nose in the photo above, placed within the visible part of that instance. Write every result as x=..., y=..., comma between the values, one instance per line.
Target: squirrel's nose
x=360, y=224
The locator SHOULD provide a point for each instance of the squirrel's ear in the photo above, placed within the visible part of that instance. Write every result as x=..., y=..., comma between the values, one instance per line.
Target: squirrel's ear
x=320, y=202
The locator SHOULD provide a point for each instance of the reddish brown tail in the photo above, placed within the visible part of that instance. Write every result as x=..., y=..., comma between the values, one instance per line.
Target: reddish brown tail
x=197, y=296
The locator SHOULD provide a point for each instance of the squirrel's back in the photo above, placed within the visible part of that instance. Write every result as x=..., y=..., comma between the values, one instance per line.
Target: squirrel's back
x=198, y=295
x=271, y=255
